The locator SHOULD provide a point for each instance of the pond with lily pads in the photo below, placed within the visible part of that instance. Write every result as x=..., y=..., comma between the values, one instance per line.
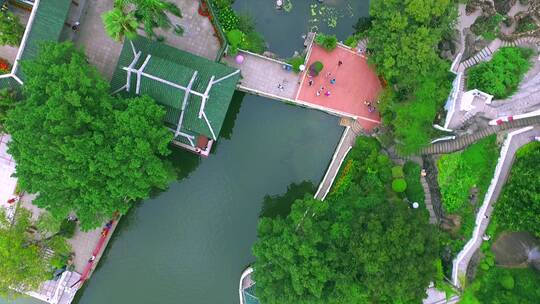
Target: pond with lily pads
x=284, y=28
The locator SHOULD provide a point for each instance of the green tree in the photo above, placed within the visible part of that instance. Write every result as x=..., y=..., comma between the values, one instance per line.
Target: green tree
x=119, y=24
x=7, y=102
x=81, y=149
x=501, y=75
x=347, y=249
x=403, y=38
x=21, y=265
x=518, y=206
x=11, y=30
x=151, y=14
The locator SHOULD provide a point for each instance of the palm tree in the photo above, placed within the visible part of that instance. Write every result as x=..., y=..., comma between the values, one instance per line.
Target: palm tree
x=118, y=24
x=151, y=14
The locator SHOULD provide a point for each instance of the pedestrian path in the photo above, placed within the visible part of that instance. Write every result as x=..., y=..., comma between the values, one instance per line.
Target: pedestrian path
x=346, y=143
x=427, y=200
x=265, y=76
x=464, y=141
x=514, y=141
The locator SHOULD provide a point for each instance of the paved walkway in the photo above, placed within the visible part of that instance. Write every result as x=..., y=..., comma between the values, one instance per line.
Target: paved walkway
x=102, y=51
x=199, y=37
x=348, y=139
x=8, y=183
x=427, y=200
x=482, y=220
x=262, y=75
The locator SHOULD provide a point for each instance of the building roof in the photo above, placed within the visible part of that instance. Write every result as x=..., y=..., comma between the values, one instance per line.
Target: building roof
x=47, y=25
x=46, y=22
x=195, y=91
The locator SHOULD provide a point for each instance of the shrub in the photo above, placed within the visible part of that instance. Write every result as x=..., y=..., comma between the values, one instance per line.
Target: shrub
x=328, y=42
x=399, y=185
x=235, y=37
x=296, y=62
x=11, y=30
x=246, y=23
x=220, y=4
x=5, y=68
x=507, y=282
x=487, y=27
x=316, y=67
x=397, y=172
x=228, y=19
x=526, y=24
x=67, y=229
x=253, y=42
x=500, y=76
x=415, y=191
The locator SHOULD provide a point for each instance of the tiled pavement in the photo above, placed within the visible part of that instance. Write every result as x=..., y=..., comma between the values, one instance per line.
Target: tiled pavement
x=264, y=75
x=102, y=51
x=83, y=243
x=199, y=37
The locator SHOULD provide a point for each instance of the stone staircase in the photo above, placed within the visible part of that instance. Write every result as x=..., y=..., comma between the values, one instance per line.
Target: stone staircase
x=483, y=55
x=429, y=205
x=464, y=141
x=524, y=41
x=362, y=45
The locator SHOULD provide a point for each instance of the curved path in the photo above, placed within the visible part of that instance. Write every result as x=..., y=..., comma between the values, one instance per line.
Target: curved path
x=513, y=142
x=464, y=141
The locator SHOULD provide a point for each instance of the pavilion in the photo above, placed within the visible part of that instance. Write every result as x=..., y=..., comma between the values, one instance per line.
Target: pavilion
x=195, y=92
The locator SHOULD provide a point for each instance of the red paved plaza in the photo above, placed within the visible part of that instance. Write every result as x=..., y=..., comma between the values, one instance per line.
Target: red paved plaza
x=355, y=83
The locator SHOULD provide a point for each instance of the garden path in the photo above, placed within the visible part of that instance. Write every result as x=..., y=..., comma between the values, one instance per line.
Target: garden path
x=262, y=76
x=198, y=38
x=515, y=140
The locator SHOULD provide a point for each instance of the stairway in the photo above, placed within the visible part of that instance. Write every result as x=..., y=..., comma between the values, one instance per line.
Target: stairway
x=464, y=141
x=483, y=55
x=523, y=41
x=429, y=205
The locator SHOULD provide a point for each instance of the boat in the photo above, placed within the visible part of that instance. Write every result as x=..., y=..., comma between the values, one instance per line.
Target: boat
x=246, y=289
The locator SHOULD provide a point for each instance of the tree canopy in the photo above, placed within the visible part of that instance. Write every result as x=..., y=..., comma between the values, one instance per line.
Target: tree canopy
x=80, y=148
x=127, y=15
x=22, y=265
x=403, y=38
x=355, y=247
x=11, y=30
x=501, y=75
x=518, y=206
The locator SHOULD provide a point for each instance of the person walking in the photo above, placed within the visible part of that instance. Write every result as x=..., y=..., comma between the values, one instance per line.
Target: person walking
x=318, y=92
x=327, y=93
x=310, y=82
x=340, y=63
x=333, y=81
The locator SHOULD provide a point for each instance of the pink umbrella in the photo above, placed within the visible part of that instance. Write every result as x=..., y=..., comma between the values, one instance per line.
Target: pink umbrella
x=239, y=59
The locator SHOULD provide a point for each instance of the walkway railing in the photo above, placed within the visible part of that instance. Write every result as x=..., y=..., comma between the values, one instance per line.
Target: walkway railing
x=461, y=262
x=220, y=33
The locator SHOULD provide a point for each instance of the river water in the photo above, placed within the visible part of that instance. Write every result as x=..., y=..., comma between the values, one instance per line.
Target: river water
x=190, y=243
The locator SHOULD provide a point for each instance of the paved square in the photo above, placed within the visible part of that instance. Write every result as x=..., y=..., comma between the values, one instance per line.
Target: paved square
x=355, y=83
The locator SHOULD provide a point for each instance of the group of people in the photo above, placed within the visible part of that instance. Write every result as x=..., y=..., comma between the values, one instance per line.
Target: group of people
x=322, y=87
x=370, y=107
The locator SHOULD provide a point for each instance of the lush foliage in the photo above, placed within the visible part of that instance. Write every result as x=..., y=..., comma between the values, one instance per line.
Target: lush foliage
x=150, y=14
x=518, y=207
x=501, y=75
x=21, y=262
x=81, y=149
x=414, y=191
x=403, y=38
x=228, y=19
x=399, y=185
x=328, y=42
x=296, y=62
x=11, y=30
x=250, y=40
x=7, y=102
x=460, y=172
x=119, y=24
x=316, y=67
x=487, y=26
x=504, y=285
x=351, y=248
x=526, y=24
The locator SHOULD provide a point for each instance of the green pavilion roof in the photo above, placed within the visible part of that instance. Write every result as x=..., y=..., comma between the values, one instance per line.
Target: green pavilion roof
x=195, y=91
x=49, y=19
